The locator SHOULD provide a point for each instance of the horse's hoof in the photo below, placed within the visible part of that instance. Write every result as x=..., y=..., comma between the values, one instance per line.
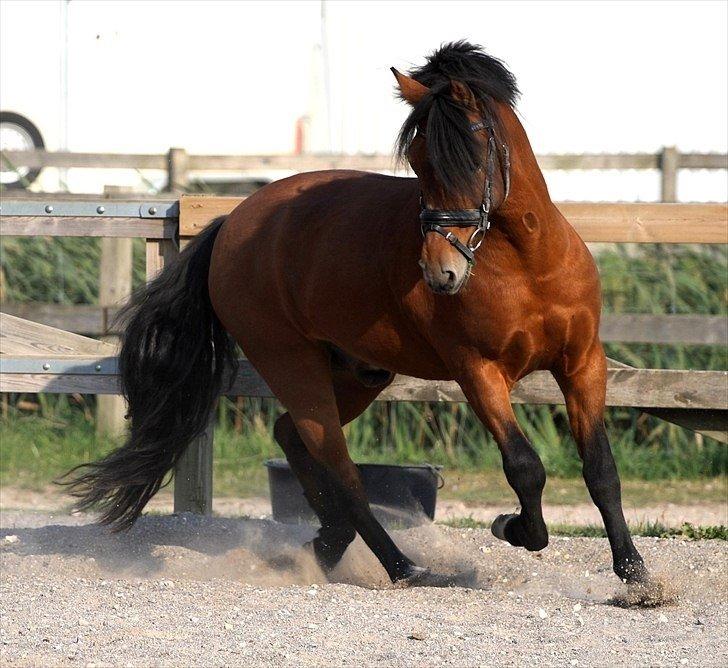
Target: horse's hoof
x=498, y=528
x=424, y=577
x=648, y=593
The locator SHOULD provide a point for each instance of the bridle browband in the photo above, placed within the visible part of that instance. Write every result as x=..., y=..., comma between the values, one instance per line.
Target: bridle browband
x=437, y=220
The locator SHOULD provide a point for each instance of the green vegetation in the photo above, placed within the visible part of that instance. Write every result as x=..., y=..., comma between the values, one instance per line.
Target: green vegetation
x=35, y=450
x=44, y=435
x=651, y=529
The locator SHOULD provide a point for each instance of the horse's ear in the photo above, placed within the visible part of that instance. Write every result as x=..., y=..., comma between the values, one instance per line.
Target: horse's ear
x=410, y=90
x=462, y=93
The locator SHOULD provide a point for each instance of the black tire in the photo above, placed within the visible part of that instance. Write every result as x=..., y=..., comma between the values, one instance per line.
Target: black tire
x=11, y=118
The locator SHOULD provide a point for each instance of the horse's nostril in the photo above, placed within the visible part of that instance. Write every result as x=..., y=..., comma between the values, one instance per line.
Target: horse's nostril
x=450, y=276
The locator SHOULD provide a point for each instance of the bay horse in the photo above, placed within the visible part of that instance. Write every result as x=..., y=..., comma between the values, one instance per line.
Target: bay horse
x=332, y=282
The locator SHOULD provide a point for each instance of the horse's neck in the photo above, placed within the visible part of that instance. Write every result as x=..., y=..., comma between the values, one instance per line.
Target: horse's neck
x=528, y=218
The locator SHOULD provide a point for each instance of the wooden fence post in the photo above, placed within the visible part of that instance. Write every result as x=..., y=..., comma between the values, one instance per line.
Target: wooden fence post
x=114, y=288
x=177, y=174
x=193, y=473
x=669, y=164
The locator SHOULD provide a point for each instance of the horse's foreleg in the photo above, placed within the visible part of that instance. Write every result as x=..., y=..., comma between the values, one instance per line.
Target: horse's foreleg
x=487, y=391
x=584, y=392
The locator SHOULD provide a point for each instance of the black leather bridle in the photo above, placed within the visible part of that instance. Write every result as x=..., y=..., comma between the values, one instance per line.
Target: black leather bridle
x=437, y=220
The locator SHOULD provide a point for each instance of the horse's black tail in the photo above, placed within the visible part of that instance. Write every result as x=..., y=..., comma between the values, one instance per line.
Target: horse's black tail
x=174, y=357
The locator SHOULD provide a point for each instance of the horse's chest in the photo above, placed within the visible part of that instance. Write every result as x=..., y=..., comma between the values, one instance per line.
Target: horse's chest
x=498, y=320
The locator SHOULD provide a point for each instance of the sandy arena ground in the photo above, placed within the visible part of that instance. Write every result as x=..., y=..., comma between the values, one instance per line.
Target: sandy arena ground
x=188, y=591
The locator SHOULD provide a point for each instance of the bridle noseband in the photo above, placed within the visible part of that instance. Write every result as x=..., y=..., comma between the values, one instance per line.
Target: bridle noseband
x=437, y=220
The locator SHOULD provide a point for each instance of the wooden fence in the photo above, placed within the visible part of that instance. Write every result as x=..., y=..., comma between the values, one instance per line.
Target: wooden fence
x=707, y=330
x=38, y=358
x=178, y=164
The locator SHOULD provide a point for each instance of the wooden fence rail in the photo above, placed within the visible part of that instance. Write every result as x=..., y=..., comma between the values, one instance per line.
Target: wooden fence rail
x=708, y=330
x=38, y=358
x=179, y=164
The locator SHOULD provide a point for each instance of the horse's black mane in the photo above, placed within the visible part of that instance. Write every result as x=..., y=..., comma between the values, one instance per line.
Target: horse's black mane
x=454, y=150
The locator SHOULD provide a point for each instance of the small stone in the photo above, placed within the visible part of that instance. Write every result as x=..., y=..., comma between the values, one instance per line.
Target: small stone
x=577, y=607
x=574, y=662
x=684, y=661
x=12, y=539
x=83, y=622
x=542, y=613
x=662, y=618
x=416, y=636
x=228, y=626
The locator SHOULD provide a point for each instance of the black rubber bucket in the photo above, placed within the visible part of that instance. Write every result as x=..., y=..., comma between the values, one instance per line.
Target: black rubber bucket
x=399, y=495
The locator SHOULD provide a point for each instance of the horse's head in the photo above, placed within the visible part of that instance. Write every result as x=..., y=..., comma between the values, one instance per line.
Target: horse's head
x=452, y=141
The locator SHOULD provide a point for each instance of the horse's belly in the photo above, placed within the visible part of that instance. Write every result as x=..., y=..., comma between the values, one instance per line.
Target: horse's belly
x=382, y=342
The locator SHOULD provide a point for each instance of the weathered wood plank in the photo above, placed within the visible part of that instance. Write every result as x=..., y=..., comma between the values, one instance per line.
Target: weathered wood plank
x=67, y=159
x=577, y=161
x=709, y=423
x=301, y=163
x=643, y=388
x=197, y=211
x=90, y=319
x=625, y=387
x=193, y=471
x=703, y=161
x=66, y=226
x=178, y=177
x=22, y=337
x=669, y=165
x=712, y=423
x=193, y=475
x=114, y=289
x=78, y=318
x=648, y=222
x=664, y=329
x=594, y=221
x=158, y=253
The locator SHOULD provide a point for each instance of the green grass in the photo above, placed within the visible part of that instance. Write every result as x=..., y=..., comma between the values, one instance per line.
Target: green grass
x=35, y=450
x=651, y=279
x=650, y=529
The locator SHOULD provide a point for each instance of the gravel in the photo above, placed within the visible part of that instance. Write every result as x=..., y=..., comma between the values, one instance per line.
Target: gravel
x=183, y=590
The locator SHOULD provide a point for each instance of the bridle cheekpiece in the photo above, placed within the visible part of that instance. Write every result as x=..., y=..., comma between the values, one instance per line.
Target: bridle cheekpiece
x=437, y=220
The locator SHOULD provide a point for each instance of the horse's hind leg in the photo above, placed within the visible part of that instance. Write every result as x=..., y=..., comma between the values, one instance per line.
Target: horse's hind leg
x=300, y=376
x=336, y=532
x=487, y=391
x=584, y=392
